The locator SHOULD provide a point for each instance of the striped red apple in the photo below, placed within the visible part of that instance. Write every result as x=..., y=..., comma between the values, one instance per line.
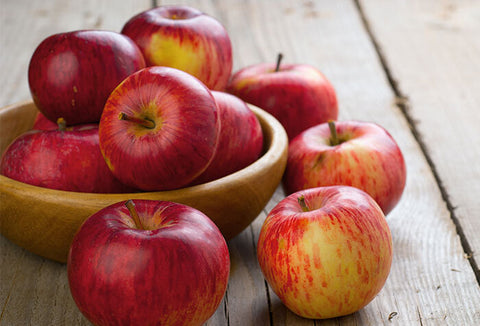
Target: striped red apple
x=353, y=153
x=159, y=129
x=326, y=252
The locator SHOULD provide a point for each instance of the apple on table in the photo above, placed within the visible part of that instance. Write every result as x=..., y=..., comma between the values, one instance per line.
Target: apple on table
x=146, y=262
x=71, y=74
x=298, y=95
x=326, y=252
x=354, y=153
x=159, y=129
x=185, y=38
x=63, y=159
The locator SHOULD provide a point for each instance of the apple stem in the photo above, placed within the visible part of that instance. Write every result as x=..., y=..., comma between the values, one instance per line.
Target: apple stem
x=279, y=60
x=147, y=123
x=303, y=205
x=62, y=124
x=333, y=132
x=133, y=212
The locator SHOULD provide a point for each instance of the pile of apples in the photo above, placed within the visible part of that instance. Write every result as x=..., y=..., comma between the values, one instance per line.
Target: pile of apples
x=156, y=107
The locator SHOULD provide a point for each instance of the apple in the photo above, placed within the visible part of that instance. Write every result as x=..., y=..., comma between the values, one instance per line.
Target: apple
x=159, y=129
x=185, y=38
x=63, y=159
x=298, y=95
x=241, y=139
x=354, y=153
x=42, y=123
x=326, y=252
x=72, y=74
x=146, y=262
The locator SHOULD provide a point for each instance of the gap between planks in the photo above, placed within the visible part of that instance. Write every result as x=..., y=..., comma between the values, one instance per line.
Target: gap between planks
x=403, y=104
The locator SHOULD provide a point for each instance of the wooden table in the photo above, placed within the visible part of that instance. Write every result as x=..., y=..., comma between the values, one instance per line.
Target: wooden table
x=411, y=66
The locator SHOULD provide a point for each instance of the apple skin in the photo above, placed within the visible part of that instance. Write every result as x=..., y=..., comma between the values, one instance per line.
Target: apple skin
x=72, y=74
x=61, y=159
x=329, y=261
x=241, y=138
x=182, y=142
x=367, y=158
x=173, y=271
x=42, y=123
x=185, y=38
x=298, y=95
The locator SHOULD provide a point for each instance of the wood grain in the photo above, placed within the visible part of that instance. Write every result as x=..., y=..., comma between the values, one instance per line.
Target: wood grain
x=424, y=285
x=34, y=291
x=433, y=52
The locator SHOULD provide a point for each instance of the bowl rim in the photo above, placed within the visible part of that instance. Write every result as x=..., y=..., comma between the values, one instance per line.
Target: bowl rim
x=277, y=141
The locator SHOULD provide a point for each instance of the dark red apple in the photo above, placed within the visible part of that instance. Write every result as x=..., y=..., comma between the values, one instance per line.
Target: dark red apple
x=241, y=138
x=298, y=95
x=61, y=159
x=42, y=123
x=185, y=38
x=148, y=262
x=72, y=74
x=159, y=129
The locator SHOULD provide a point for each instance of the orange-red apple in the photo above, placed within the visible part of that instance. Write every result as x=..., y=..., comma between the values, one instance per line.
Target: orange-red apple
x=326, y=252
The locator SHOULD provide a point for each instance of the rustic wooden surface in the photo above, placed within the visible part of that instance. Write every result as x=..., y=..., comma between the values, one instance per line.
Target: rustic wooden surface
x=410, y=66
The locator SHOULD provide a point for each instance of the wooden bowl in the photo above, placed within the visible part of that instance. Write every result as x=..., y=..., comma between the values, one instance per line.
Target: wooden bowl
x=44, y=221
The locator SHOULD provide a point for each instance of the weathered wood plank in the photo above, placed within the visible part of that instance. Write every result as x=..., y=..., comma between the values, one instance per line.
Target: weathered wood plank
x=34, y=291
x=433, y=51
x=424, y=285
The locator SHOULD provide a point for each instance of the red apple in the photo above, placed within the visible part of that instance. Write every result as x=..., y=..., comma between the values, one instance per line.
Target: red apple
x=185, y=38
x=42, y=123
x=63, y=159
x=326, y=252
x=354, y=153
x=241, y=139
x=298, y=95
x=148, y=262
x=159, y=129
x=72, y=74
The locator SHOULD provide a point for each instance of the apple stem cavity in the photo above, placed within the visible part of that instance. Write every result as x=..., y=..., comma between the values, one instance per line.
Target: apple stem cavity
x=133, y=212
x=333, y=132
x=62, y=124
x=303, y=205
x=147, y=123
x=279, y=61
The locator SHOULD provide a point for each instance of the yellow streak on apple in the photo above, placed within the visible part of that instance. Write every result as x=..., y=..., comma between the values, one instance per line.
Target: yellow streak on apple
x=331, y=273
x=181, y=55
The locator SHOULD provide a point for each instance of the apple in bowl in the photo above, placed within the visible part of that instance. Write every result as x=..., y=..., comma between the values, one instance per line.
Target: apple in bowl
x=71, y=74
x=64, y=159
x=240, y=141
x=159, y=129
